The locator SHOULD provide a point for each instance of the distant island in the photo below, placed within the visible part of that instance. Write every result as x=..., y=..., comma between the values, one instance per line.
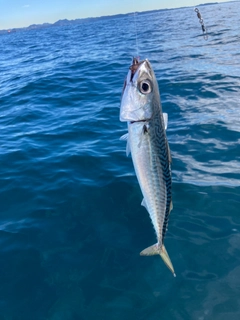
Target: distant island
x=66, y=22
x=63, y=22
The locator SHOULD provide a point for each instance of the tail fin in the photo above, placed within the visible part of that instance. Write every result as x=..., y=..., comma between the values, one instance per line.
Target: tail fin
x=155, y=249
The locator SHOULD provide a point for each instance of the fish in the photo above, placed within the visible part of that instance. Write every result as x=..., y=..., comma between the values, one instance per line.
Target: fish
x=147, y=142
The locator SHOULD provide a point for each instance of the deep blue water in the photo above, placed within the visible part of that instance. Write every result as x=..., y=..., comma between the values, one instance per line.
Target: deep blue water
x=71, y=223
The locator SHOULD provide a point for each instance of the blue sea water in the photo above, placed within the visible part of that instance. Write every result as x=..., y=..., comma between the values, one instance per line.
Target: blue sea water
x=71, y=223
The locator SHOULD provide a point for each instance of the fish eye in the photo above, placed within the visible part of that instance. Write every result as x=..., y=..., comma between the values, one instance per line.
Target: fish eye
x=145, y=86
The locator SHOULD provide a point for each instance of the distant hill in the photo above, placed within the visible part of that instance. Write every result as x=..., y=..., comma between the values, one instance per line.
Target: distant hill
x=63, y=22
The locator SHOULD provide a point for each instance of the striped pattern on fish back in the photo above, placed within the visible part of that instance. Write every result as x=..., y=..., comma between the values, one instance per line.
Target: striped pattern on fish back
x=162, y=165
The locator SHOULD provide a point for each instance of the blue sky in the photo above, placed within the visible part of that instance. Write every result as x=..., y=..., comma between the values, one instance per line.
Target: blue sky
x=22, y=13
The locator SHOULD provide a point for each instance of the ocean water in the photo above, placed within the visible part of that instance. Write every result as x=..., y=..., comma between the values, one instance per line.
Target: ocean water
x=71, y=223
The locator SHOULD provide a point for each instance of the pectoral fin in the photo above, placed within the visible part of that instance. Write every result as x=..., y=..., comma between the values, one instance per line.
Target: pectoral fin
x=125, y=138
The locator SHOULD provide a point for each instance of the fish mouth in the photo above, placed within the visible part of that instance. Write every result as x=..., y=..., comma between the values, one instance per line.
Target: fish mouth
x=136, y=63
x=143, y=120
x=134, y=66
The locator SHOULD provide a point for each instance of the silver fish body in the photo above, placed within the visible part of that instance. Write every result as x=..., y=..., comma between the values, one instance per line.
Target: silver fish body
x=147, y=142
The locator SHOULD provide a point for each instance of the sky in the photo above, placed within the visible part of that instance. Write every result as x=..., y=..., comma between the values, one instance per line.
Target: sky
x=22, y=13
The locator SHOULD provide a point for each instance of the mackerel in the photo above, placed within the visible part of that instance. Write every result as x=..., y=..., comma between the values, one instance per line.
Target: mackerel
x=148, y=145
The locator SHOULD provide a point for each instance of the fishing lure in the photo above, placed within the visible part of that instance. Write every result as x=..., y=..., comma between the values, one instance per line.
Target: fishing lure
x=204, y=29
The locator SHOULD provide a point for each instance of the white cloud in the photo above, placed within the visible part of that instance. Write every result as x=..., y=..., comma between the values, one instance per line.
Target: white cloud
x=26, y=6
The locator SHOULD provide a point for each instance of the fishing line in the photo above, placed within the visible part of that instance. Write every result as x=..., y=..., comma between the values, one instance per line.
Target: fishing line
x=136, y=32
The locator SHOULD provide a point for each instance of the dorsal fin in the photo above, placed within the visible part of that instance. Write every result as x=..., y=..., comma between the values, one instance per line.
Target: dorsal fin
x=165, y=119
